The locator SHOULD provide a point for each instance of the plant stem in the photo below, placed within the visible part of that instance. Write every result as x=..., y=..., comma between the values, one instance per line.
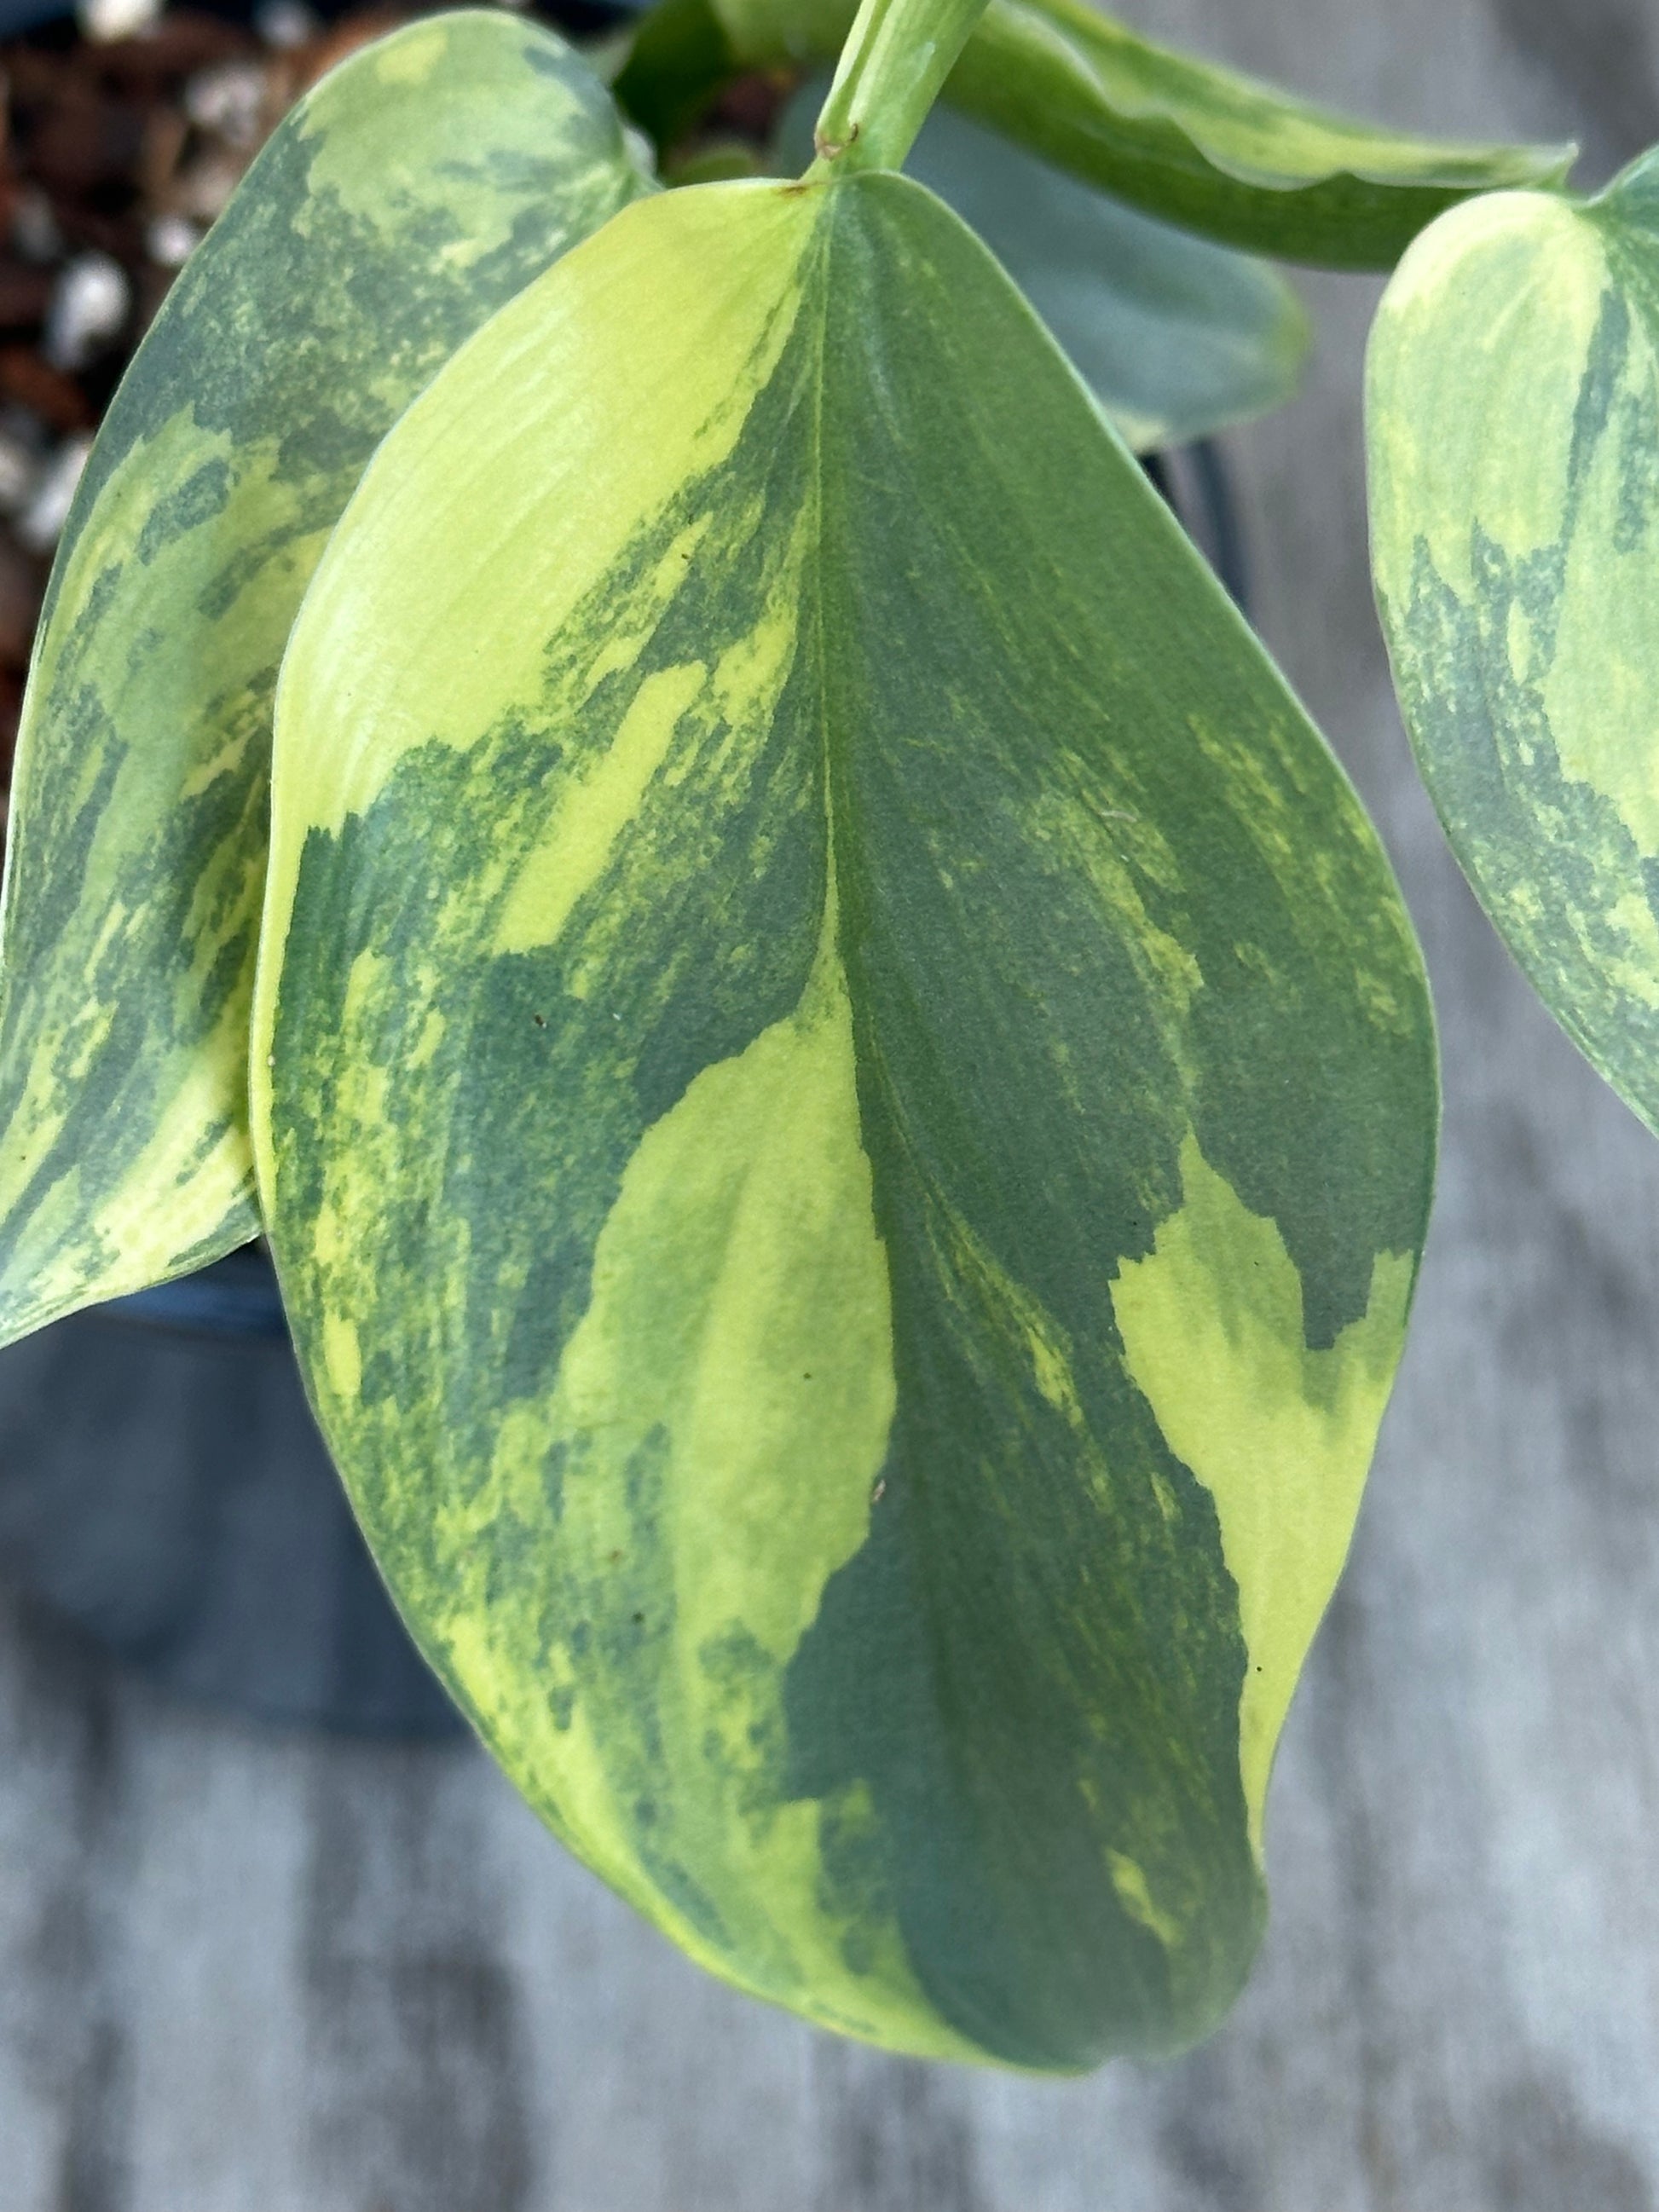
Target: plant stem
x=897, y=55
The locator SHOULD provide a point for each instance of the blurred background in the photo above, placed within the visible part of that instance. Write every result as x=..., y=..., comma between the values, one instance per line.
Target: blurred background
x=252, y=1964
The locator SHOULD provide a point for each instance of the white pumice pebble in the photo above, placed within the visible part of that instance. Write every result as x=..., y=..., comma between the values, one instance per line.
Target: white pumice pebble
x=20, y=471
x=105, y=20
x=40, y=524
x=34, y=231
x=171, y=239
x=229, y=100
x=285, y=24
x=87, y=312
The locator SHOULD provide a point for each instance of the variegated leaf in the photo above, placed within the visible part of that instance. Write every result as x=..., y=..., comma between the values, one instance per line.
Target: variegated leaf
x=1513, y=428
x=846, y=1105
x=1184, y=138
x=414, y=190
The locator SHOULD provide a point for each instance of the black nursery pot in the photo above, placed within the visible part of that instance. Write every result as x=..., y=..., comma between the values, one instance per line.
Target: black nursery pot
x=163, y=1486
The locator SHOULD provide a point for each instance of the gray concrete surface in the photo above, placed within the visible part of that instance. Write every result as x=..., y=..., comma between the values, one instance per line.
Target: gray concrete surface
x=247, y=1972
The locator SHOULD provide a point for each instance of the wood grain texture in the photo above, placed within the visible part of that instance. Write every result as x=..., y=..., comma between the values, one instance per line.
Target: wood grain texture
x=243, y=1972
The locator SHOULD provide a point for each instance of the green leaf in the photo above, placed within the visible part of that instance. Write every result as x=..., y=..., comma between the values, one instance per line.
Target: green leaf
x=679, y=60
x=1219, y=152
x=1176, y=338
x=414, y=190
x=846, y=1104
x=1513, y=430
x=1188, y=140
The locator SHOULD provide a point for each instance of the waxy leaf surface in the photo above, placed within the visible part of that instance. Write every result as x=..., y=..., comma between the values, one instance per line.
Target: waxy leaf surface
x=403, y=200
x=1184, y=138
x=1513, y=427
x=1176, y=337
x=845, y=1101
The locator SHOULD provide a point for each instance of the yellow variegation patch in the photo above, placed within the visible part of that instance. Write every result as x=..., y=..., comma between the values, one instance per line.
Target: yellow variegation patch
x=1212, y=1322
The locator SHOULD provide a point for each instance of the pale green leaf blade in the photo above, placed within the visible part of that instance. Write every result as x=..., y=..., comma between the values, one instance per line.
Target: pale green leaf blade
x=1176, y=337
x=410, y=193
x=1186, y=139
x=846, y=1105
x=1512, y=408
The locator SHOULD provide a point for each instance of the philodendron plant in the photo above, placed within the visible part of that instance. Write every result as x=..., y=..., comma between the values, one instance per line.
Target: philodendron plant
x=840, y=1087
